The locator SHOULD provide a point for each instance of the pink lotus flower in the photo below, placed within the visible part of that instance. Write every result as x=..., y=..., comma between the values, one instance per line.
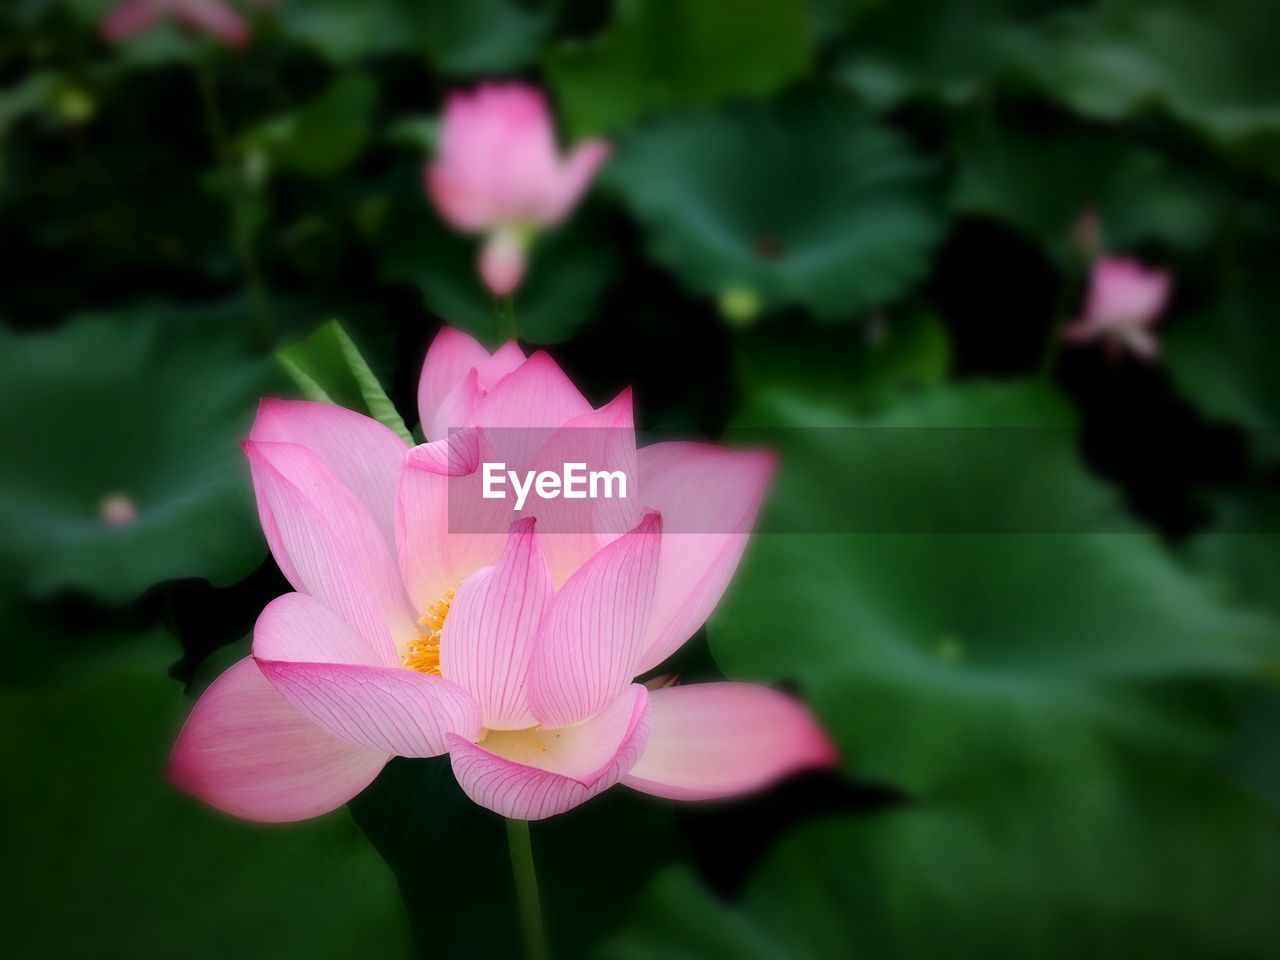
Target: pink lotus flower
x=1124, y=302
x=499, y=172
x=217, y=18
x=512, y=650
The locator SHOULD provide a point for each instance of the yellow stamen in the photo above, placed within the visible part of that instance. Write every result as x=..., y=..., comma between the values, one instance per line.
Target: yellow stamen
x=423, y=653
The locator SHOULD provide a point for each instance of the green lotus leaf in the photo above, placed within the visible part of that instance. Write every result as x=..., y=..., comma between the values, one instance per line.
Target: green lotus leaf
x=658, y=54
x=1160, y=862
x=479, y=36
x=136, y=414
x=805, y=203
x=328, y=367
x=1211, y=67
x=858, y=369
x=324, y=136
x=1223, y=359
x=113, y=857
x=1241, y=551
x=962, y=603
x=1041, y=181
x=952, y=52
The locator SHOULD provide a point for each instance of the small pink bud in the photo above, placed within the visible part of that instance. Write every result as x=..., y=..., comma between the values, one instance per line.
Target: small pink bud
x=499, y=169
x=1123, y=304
x=117, y=510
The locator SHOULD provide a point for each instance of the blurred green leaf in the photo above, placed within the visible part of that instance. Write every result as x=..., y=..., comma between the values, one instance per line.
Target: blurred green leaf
x=658, y=54
x=149, y=404
x=1241, y=551
x=857, y=369
x=1159, y=862
x=806, y=202
x=26, y=97
x=328, y=367
x=1040, y=181
x=917, y=49
x=677, y=918
x=326, y=135
x=479, y=36
x=1210, y=66
x=1223, y=359
x=450, y=857
x=999, y=617
x=114, y=859
x=43, y=646
x=570, y=269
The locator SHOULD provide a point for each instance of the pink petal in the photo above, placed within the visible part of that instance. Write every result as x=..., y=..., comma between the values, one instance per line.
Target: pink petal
x=214, y=17
x=330, y=674
x=708, y=498
x=362, y=453
x=572, y=531
x=391, y=709
x=502, y=262
x=245, y=751
x=1124, y=292
x=535, y=395
x=463, y=207
x=327, y=543
x=533, y=774
x=497, y=160
x=298, y=628
x=719, y=739
x=490, y=631
x=130, y=18
x=456, y=406
x=522, y=411
x=576, y=174
x=592, y=637
x=451, y=357
x=445, y=531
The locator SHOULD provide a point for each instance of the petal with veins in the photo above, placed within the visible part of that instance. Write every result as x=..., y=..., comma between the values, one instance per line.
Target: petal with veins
x=713, y=740
x=246, y=751
x=530, y=775
x=489, y=634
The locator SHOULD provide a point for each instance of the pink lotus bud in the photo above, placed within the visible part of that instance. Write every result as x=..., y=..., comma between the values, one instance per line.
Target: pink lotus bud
x=217, y=18
x=117, y=510
x=498, y=168
x=1124, y=301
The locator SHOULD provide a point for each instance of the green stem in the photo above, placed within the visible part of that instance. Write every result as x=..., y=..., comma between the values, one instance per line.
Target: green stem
x=238, y=200
x=535, y=937
x=504, y=312
x=1053, y=346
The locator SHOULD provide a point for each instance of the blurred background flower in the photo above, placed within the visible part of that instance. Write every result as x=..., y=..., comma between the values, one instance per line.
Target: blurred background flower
x=498, y=172
x=1026, y=590
x=1124, y=300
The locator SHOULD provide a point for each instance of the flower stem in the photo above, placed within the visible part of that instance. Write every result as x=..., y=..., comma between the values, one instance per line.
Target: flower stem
x=504, y=309
x=535, y=937
x=1053, y=346
x=238, y=200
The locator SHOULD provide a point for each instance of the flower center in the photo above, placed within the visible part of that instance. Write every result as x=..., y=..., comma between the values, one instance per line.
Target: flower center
x=423, y=653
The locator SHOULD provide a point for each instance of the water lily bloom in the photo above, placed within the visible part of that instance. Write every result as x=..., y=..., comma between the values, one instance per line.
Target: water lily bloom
x=217, y=18
x=417, y=630
x=499, y=172
x=1124, y=301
